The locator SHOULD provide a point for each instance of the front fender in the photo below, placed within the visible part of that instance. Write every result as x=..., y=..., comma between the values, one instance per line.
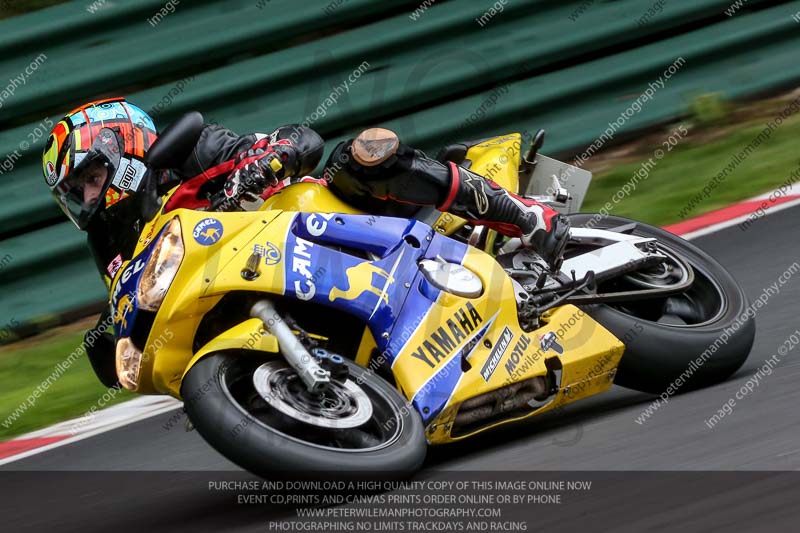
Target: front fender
x=248, y=335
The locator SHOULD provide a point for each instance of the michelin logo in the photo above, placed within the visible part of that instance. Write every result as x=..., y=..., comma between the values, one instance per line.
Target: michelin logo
x=497, y=354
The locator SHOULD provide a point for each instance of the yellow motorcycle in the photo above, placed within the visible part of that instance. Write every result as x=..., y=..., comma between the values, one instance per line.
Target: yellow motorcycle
x=307, y=336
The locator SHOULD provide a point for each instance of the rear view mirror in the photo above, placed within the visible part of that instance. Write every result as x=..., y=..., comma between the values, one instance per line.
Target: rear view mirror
x=175, y=143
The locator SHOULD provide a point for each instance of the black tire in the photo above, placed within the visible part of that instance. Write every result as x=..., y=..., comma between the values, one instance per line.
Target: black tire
x=659, y=353
x=216, y=387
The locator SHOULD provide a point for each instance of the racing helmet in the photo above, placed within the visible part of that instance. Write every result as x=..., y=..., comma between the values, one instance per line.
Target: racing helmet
x=109, y=134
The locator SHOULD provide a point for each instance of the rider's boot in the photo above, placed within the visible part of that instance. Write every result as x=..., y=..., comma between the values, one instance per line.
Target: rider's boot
x=472, y=196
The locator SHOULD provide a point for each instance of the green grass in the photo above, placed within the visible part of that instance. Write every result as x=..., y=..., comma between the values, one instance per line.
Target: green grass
x=71, y=396
x=684, y=171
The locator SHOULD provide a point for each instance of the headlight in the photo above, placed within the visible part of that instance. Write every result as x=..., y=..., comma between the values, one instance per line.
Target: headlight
x=162, y=267
x=129, y=361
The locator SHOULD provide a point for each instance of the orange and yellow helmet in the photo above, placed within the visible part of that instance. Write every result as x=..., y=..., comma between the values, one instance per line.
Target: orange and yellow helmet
x=112, y=133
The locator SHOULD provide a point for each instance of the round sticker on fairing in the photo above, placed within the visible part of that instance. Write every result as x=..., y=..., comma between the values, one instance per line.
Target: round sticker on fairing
x=208, y=231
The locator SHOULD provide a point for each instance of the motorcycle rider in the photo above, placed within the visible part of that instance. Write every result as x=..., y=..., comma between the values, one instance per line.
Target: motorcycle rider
x=93, y=162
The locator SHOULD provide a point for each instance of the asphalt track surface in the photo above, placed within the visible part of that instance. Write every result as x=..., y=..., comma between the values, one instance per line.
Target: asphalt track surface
x=599, y=434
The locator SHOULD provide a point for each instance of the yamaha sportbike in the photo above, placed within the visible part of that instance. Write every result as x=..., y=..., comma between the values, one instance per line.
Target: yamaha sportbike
x=308, y=336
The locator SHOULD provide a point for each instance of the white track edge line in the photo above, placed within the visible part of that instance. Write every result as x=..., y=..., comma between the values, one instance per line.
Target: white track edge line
x=88, y=434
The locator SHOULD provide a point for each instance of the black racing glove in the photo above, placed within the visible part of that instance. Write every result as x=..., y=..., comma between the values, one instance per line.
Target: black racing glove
x=255, y=170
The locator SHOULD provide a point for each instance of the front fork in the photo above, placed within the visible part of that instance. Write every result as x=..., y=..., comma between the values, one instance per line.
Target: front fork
x=313, y=375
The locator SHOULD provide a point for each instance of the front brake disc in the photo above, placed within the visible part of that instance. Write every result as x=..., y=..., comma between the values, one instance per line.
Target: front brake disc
x=342, y=405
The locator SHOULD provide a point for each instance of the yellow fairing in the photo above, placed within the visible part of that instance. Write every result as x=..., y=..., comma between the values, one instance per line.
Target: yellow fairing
x=309, y=197
x=589, y=359
x=249, y=335
x=498, y=159
x=412, y=369
x=199, y=286
x=589, y=362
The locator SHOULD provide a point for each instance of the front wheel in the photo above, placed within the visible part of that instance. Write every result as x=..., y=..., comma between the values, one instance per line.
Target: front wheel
x=688, y=340
x=258, y=414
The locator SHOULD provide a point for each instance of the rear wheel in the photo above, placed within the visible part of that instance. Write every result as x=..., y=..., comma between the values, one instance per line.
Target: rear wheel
x=258, y=413
x=692, y=339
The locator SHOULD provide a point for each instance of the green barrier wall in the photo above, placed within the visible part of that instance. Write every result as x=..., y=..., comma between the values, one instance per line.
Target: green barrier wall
x=435, y=76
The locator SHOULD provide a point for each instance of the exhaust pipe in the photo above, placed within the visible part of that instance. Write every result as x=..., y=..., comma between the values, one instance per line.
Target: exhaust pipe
x=502, y=400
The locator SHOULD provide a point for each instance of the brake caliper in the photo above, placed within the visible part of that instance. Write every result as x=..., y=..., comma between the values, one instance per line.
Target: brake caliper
x=333, y=363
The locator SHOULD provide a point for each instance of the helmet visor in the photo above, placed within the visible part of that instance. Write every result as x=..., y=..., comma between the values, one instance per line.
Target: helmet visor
x=83, y=191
